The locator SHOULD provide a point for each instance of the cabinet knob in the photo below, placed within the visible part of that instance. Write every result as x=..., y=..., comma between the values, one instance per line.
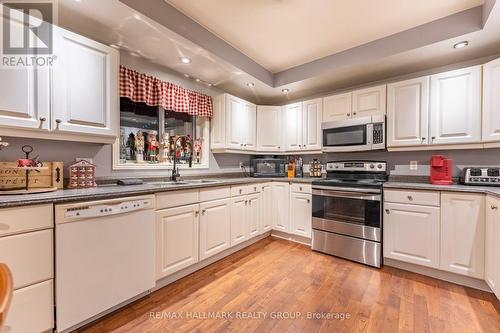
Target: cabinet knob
x=410, y=198
x=494, y=207
x=300, y=188
x=255, y=188
x=348, y=114
x=240, y=190
x=203, y=212
x=308, y=200
x=58, y=121
x=42, y=119
x=196, y=213
x=387, y=211
x=423, y=139
x=279, y=147
x=354, y=113
x=246, y=202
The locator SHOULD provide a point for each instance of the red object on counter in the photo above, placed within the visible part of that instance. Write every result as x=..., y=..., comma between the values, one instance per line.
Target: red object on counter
x=441, y=170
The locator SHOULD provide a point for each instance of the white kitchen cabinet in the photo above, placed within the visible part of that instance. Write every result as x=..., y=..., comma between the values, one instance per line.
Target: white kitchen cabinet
x=455, y=107
x=269, y=132
x=337, y=107
x=239, y=220
x=293, y=130
x=218, y=123
x=369, y=102
x=411, y=233
x=25, y=98
x=84, y=86
x=491, y=101
x=215, y=227
x=280, y=208
x=312, y=111
x=235, y=123
x=492, y=245
x=301, y=214
x=462, y=233
x=266, y=208
x=177, y=238
x=254, y=214
x=408, y=113
x=250, y=129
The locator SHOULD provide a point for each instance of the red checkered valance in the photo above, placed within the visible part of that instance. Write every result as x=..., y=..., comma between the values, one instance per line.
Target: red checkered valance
x=154, y=92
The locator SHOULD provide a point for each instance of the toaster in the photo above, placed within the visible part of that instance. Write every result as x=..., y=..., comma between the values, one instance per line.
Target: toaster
x=484, y=176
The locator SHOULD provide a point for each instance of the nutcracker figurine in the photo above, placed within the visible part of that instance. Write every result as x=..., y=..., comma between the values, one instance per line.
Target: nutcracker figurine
x=139, y=147
x=165, y=147
x=187, y=146
x=153, y=146
x=197, y=150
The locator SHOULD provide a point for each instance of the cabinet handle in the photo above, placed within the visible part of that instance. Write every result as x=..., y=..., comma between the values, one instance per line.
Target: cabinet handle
x=203, y=212
x=354, y=113
x=494, y=207
x=410, y=198
x=308, y=200
x=300, y=188
x=387, y=211
x=433, y=138
x=423, y=140
x=42, y=119
x=246, y=202
x=348, y=114
x=58, y=121
x=279, y=147
x=196, y=213
x=255, y=188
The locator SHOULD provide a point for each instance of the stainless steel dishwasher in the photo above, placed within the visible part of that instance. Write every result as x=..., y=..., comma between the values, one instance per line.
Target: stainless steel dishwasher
x=105, y=257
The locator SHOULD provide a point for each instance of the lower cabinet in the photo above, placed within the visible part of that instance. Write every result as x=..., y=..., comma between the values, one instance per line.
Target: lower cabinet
x=280, y=207
x=177, y=239
x=411, y=233
x=254, y=208
x=492, y=245
x=239, y=220
x=300, y=214
x=266, y=208
x=215, y=227
x=462, y=233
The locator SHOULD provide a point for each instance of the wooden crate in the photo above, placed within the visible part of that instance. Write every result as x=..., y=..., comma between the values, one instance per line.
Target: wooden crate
x=12, y=178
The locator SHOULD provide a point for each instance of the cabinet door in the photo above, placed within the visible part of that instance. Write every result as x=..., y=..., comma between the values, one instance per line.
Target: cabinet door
x=85, y=85
x=215, y=228
x=292, y=120
x=411, y=234
x=301, y=214
x=455, y=115
x=408, y=113
x=24, y=98
x=239, y=220
x=462, y=233
x=281, y=204
x=312, y=113
x=249, y=126
x=266, y=219
x=253, y=214
x=218, y=124
x=177, y=231
x=235, y=122
x=369, y=102
x=269, y=128
x=337, y=107
x=491, y=101
x=492, y=248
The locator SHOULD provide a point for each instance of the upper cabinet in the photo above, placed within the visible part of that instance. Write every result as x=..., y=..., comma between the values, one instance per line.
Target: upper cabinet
x=292, y=120
x=234, y=124
x=408, y=112
x=85, y=81
x=455, y=110
x=269, y=134
x=302, y=126
x=78, y=101
x=337, y=107
x=369, y=101
x=491, y=101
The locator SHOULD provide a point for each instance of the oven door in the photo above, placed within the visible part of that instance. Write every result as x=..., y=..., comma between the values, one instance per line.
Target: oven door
x=347, y=212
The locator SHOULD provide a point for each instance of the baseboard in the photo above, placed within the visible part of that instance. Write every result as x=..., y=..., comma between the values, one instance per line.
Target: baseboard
x=191, y=269
x=438, y=274
x=291, y=237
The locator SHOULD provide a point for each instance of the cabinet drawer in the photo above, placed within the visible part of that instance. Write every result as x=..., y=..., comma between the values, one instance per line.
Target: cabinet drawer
x=31, y=310
x=239, y=190
x=414, y=197
x=177, y=198
x=215, y=193
x=27, y=218
x=301, y=188
x=254, y=188
x=29, y=256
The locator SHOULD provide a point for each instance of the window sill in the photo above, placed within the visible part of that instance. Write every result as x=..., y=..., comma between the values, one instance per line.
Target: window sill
x=147, y=166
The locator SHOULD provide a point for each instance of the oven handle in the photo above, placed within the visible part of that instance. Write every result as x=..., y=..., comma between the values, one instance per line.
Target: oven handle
x=345, y=194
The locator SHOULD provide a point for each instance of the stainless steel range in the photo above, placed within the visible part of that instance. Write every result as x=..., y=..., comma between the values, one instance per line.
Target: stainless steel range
x=347, y=211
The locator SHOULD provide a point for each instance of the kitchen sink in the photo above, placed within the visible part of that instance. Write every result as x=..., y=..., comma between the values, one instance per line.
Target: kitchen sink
x=201, y=181
x=168, y=183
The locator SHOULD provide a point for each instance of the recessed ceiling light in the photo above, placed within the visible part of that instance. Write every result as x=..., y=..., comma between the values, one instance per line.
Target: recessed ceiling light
x=198, y=80
x=184, y=60
x=187, y=75
x=250, y=84
x=285, y=90
x=461, y=44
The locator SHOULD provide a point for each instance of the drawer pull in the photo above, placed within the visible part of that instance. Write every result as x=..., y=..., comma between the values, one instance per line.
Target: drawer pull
x=308, y=200
x=410, y=198
x=240, y=190
x=196, y=213
x=300, y=188
x=492, y=207
x=246, y=202
x=387, y=211
x=255, y=188
x=203, y=212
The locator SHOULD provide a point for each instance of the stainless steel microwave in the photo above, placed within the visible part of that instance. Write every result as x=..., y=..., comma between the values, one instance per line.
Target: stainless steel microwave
x=269, y=167
x=357, y=134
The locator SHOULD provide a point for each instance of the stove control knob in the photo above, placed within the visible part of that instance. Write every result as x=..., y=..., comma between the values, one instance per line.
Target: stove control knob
x=379, y=166
x=372, y=166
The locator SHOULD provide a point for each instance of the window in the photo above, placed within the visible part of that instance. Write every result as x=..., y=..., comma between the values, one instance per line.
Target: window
x=150, y=137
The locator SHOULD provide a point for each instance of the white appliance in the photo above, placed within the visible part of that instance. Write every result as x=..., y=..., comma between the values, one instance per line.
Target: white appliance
x=105, y=256
x=357, y=134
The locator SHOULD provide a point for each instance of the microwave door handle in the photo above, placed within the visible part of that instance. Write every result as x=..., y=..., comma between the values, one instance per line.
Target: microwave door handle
x=369, y=135
x=347, y=195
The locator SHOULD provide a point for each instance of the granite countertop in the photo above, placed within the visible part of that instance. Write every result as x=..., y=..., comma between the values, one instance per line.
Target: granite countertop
x=492, y=190
x=115, y=191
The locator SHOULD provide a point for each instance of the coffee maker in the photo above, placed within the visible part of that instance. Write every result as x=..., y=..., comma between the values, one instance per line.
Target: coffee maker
x=441, y=170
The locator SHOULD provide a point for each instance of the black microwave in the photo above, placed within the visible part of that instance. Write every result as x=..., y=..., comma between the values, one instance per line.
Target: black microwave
x=269, y=167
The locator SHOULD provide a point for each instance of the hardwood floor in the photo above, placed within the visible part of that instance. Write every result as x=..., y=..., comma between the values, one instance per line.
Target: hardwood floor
x=275, y=277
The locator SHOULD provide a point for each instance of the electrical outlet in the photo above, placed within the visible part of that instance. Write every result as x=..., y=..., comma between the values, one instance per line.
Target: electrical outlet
x=87, y=159
x=414, y=165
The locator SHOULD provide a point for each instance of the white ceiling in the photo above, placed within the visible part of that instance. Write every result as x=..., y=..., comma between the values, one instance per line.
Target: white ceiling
x=280, y=34
x=112, y=22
